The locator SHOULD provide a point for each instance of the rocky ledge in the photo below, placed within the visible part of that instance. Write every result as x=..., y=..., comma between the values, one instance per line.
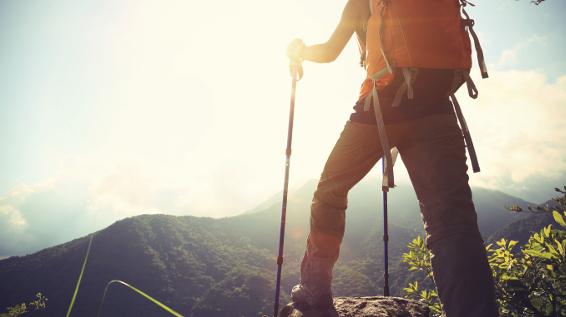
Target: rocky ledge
x=374, y=306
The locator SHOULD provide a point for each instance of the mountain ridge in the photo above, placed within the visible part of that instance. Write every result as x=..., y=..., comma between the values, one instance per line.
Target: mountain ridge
x=212, y=267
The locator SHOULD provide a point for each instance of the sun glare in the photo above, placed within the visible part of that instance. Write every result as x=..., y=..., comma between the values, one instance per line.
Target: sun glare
x=198, y=95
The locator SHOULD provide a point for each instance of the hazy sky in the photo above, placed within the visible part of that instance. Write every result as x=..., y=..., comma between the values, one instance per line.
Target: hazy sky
x=112, y=108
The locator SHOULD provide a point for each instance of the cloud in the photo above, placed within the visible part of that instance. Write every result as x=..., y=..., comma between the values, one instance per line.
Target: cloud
x=511, y=56
x=122, y=193
x=168, y=138
x=83, y=198
x=518, y=127
x=12, y=218
x=14, y=225
x=36, y=216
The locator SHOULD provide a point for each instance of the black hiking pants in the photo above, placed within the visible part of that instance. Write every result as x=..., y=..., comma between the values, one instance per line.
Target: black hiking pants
x=433, y=151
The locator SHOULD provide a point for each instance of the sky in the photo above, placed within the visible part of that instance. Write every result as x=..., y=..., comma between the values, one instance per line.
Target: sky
x=110, y=109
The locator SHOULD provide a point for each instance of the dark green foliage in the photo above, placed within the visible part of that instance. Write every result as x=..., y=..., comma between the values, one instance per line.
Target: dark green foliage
x=174, y=259
x=39, y=303
x=226, y=267
x=244, y=292
x=530, y=281
x=417, y=259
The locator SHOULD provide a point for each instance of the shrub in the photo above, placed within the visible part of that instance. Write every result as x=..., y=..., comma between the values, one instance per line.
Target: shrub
x=529, y=281
x=39, y=303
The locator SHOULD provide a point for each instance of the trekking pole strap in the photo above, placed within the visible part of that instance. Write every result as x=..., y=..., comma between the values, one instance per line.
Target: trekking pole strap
x=466, y=134
x=296, y=70
x=388, y=177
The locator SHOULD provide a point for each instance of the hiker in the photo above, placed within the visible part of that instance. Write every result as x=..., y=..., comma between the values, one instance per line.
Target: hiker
x=412, y=102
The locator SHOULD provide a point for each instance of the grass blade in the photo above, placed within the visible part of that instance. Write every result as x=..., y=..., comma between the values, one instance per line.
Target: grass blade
x=146, y=296
x=80, y=278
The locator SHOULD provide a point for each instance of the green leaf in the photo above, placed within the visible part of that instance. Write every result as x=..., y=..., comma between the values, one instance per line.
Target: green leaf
x=143, y=294
x=552, y=249
x=560, y=247
x=538, y=237
x=558, y=218
x=79, y=280
x=537, y=254
x=503, y=265
x=549, y=267
x=512, y=243
x=546, y=231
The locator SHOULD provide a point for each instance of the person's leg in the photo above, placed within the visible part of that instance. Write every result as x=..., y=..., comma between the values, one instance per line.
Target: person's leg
x=433, y=151
x=355, y=153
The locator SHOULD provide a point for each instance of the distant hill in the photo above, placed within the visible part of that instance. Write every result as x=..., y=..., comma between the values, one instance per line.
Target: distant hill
x=226, y=267
x=522, y=229
x=179, y=260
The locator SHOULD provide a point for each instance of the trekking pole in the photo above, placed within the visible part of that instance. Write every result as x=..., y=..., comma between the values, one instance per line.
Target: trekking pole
x=385, y=190
x=296, y=74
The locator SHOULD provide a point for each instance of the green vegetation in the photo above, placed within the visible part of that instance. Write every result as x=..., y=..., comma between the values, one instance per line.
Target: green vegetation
x=530, y=281
x=39, y=303
x=226, y=267
x=80, y=278
x=140, y=293
x=184, y=262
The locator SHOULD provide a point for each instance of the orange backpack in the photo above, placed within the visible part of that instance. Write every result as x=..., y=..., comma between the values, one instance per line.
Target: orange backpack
x=412, y=34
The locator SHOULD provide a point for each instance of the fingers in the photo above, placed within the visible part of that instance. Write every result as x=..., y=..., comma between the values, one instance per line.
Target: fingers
x=295, y=50
x=295, y=55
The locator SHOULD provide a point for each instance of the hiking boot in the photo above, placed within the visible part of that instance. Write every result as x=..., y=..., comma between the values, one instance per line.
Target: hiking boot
x=304, y=296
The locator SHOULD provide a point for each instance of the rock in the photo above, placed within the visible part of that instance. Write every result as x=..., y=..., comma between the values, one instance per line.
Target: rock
x=374, y=306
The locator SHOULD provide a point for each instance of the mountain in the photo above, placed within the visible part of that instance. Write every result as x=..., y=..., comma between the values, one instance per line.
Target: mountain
x=226, y=267
x=179, y=260
x=522, y=229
